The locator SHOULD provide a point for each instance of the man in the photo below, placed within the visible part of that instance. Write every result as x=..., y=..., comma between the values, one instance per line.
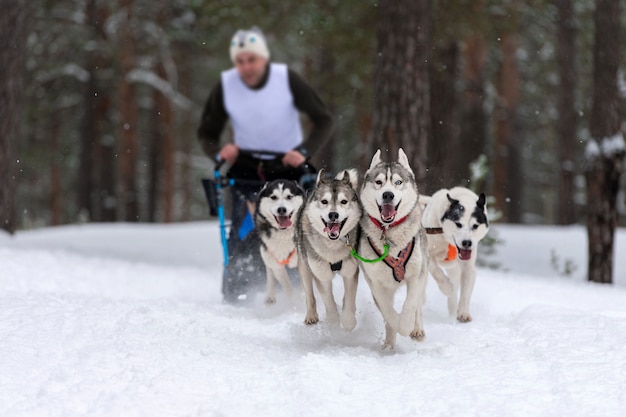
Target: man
x=263, y=102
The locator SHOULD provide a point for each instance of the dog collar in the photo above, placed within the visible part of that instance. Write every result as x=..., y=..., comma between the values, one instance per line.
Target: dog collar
x=434, y=230
x=382, y=226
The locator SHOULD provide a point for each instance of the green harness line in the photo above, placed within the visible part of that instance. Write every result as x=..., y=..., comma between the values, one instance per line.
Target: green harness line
x=380, y=258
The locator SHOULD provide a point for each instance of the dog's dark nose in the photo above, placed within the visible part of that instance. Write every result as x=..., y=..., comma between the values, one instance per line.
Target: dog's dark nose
x=466, y=244
x=333, y=216
x=387, y=197
x=282, y=211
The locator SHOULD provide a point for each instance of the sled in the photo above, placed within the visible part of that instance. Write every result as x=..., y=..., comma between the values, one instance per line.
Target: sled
x=243, y=268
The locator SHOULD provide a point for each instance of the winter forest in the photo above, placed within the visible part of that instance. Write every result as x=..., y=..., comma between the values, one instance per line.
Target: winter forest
x=524, y=100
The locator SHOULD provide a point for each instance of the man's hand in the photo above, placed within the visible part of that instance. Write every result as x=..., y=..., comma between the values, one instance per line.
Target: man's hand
x=229, y=153
x=293, y=158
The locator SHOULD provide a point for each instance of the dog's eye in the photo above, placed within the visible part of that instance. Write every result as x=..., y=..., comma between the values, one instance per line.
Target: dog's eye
x=459, y=225
x=399, y=182
x=344, y=202
x=289, y=197
x=274, y=198
x=324, y=202
x=379, y=182
x=475, y=227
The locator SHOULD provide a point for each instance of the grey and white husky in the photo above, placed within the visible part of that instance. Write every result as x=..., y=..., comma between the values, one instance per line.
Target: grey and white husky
x=393, y=245
x=455, y=221
x=326, y=225
x=277, y=205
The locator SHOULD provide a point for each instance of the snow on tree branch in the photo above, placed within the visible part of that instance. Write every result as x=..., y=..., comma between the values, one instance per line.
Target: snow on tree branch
x=608, y=146
x=148, y=77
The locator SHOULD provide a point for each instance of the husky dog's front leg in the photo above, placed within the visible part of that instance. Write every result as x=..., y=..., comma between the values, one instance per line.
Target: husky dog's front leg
x=468, y=278
x=383, y=298
x=390, y=338
x=350, y=284
x=306, y=276
x=270, y=286
x=325, y=287
x=411, y=319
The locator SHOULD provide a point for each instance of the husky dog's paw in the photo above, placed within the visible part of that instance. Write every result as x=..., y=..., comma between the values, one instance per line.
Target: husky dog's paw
x=464, y=317
x=332, y=317
x=418, y=335
x=311, y=319
x=269, y=300
x=348, y=322
x=390, y=342
x=407, y=323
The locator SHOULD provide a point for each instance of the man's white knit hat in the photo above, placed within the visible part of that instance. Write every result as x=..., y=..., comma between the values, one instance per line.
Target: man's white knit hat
x=251, y=40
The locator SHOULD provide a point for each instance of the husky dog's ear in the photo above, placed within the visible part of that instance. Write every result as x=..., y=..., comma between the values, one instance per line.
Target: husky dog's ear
x=350, y=177
x=320, y=176
x=481, y=201
x=453, y=201
x=403, y=160
x=375, y=159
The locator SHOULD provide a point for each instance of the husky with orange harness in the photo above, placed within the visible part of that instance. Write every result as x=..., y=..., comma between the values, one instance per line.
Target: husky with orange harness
x=455, y=221
x=277, y=206
x=392, y=247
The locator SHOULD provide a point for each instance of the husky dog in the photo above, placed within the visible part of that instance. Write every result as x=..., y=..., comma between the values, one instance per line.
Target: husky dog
x=393, y=245
x=326, y=225
x=455, y=221
x=274, y=219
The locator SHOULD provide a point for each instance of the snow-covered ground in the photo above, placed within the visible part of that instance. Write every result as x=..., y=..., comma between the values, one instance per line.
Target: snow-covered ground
x=127, y=320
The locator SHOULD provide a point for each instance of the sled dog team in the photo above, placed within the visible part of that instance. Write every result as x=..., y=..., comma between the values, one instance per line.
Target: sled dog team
x=384, y=228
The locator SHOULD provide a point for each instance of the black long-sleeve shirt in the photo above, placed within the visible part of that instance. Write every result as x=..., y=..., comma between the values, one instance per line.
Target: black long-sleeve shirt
x=306, y=100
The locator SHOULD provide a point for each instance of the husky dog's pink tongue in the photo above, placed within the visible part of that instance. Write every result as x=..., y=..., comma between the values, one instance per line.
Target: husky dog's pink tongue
x=333, y=230
x=284, y=222
x=465, y=254
x=388, y=212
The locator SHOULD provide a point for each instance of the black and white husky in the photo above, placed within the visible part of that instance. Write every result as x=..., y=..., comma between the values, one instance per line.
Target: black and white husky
x=326, y=225
x=455, y=221
x=277, y=205
x=393, y=245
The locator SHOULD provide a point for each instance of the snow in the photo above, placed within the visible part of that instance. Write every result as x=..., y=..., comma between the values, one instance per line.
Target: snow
x=612, y=145
x=127, y=320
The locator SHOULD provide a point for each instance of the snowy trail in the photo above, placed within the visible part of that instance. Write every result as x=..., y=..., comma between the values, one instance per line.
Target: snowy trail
x=90, y=325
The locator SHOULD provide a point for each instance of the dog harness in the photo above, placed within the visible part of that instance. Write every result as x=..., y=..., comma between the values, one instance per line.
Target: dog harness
x=397, y=265
x=336, y=266
x=284, y=261
x=452, y=251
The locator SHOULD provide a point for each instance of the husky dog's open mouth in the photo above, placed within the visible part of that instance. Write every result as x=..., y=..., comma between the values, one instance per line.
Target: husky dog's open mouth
x=388, y=212
x=284, y=221
x=333, y=229
x=464, y=254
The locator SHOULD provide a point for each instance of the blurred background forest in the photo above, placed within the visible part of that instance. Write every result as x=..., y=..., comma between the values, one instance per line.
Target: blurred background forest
x=113, y=91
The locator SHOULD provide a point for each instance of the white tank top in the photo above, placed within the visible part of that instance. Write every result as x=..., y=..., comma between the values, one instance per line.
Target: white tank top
x=264, y=119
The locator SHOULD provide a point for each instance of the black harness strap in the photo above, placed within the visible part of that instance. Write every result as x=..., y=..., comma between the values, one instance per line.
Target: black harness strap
x=336, y=266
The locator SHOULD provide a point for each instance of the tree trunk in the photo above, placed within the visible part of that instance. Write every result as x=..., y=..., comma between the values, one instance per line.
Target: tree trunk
x=507, y=184
x=443, y=77
x=605, y=150
x=401, y=116
x=129, y=146
x=13, y=33
x=472, y=137
x=566, y=123
x=186, y=131
x=56, y=195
